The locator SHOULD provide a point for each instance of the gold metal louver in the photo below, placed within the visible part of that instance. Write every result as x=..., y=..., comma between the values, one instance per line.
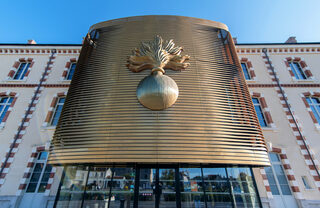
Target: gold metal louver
x=212, y=121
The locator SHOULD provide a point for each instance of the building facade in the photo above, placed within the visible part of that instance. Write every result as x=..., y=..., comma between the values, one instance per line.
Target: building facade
x=283, y=81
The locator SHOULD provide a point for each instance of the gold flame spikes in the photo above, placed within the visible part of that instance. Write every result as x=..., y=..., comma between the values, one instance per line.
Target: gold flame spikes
x=159, y=55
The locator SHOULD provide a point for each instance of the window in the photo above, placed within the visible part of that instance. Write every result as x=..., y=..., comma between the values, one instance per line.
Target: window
x=21, y=71
x=297, y=70
x=277, y=179
x=306, y=182
x=314, y=104
x=40, y=175
x=245, y=71
x=71, y=71
x=5, y=103
x=57, y=111
x=259, y=112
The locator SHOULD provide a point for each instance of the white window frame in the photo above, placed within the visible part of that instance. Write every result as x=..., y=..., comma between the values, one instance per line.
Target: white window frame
x=23, y=71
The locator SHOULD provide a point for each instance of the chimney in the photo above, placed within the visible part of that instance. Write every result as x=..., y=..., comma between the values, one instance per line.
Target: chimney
x=235, y=40
x=291, y=39
x=32, y=42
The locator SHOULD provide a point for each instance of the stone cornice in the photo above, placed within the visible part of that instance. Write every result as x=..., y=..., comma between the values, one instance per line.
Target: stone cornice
x=277, y=49
x=39, y=50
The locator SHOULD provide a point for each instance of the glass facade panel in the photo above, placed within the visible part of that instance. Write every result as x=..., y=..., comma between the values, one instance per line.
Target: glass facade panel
x=244, y=190
x=167, y=188
x=217, y=187
x=98, y=187
x=104, y=187
x=191, y=187
x=147, y=187
x=122, y=188
x=73, y=187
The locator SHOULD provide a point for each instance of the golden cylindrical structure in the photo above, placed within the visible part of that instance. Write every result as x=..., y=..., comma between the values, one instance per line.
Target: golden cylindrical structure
x=213, y=120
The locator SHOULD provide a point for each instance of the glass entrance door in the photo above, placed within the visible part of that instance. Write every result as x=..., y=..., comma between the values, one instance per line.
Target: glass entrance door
x=167, y=188
x=147, y=187
x=157, y=188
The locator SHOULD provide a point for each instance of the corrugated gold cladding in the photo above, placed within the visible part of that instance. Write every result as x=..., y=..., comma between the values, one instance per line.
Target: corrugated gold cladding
x=213, y=120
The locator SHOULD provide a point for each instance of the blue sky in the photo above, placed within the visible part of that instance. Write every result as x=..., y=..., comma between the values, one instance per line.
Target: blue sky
x=251, y=21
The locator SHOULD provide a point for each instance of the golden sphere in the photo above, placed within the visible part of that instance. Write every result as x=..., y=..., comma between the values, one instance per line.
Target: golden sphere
x=157, y=91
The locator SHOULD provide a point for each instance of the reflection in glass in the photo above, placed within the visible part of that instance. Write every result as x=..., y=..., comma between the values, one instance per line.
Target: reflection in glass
x=98, y=186
x=106, y=187
x=147, y=188
x=73, y=187
x=122, y=188
x=191, y=188
x=167, y=188
x=217, y=187
x=243, y=188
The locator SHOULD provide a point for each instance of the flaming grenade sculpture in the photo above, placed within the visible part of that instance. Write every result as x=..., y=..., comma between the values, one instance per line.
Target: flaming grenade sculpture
x=157, y=91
